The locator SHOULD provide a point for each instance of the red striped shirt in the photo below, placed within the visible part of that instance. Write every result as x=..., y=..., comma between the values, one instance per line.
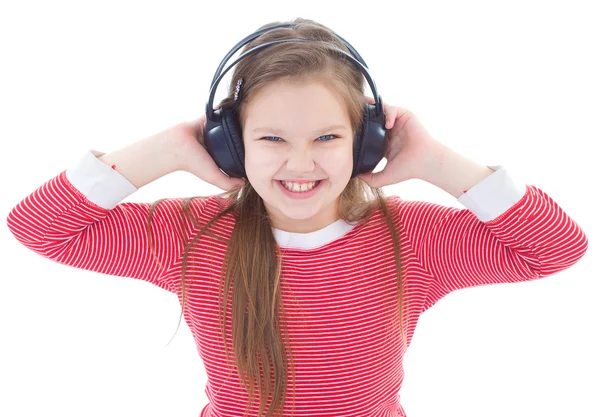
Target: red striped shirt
x=339, y=297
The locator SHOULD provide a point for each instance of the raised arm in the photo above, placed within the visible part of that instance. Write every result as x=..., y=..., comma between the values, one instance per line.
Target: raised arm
x=76, y=218
x=508, y=232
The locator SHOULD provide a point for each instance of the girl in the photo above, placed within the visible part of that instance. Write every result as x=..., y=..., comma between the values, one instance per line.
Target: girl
x=326, y=277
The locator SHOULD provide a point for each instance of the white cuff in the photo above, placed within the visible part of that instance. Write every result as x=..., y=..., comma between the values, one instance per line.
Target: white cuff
x=493, y=195
x=101, y=184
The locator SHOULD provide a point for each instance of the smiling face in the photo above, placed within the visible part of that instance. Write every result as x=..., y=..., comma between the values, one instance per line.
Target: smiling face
x=288, y=136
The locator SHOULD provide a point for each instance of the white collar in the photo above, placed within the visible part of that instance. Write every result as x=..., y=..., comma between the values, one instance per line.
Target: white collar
x=314, y=239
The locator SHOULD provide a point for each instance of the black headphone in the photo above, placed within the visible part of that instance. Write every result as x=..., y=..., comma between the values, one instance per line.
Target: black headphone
x=223, y=135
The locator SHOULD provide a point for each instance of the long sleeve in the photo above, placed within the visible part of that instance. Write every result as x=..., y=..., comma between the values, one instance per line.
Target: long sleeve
x=76, y=219
x=508, y=232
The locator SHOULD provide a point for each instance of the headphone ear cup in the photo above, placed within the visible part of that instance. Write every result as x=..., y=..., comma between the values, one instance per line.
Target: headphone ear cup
x=233, y=135
x=359, y=139
x=370, y=141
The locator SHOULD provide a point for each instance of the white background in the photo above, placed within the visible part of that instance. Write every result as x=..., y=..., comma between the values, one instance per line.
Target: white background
x=514, y=83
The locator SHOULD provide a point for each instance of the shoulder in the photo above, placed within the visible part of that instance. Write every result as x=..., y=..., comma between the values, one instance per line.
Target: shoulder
x=196, y=207
x=205, y=207
x=419, y=213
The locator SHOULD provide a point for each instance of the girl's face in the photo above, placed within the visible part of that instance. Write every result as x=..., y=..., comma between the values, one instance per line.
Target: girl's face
x=289, y=135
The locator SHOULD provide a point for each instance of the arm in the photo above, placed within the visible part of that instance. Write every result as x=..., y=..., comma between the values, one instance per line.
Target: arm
x=76, y=219
x=508, y=232
x=451, y=171
x=146, y=160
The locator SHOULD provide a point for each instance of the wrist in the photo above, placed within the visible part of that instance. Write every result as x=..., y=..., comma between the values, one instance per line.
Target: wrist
x=453, y=172
x=432, y=161
x=167, y=150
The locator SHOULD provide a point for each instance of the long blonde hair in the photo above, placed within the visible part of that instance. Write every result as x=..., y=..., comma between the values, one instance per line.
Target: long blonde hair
x=254, y=259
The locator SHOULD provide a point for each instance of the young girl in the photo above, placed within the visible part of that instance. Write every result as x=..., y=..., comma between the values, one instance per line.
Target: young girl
x=326, y=277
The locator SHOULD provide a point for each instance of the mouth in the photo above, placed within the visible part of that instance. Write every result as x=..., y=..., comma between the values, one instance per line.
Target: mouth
x=300, y=194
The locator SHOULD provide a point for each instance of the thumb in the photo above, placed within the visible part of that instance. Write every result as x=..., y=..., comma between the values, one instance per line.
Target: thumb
x=228, y=184
x=373, y=179
x=199, y=125
x=236, y=182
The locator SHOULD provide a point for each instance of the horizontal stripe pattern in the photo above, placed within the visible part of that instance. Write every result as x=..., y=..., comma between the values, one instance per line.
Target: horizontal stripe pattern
x=339, y=298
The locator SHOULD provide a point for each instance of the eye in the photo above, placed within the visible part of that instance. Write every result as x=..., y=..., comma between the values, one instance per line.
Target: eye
x=277, y=137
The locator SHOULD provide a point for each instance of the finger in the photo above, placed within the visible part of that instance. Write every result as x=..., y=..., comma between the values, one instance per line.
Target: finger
x=234, y=182
x=375, y=180
x=368, y=179
x=391, y=117
x=228, y=183
x=369, y=99
x=198, y=125
x=213, y=175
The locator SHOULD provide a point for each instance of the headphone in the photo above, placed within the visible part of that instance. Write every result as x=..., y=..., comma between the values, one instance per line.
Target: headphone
x=223, y=134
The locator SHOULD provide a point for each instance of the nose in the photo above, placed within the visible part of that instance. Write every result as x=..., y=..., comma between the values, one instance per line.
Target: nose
x=300, y=161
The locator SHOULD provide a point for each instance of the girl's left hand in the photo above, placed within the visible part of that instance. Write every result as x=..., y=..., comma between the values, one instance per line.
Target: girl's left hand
x=410, y=148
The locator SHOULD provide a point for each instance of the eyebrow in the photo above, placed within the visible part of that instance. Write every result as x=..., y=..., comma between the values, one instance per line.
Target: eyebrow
x=281, y=132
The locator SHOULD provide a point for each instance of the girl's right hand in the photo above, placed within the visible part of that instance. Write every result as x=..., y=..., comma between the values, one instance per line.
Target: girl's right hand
x=196, y=159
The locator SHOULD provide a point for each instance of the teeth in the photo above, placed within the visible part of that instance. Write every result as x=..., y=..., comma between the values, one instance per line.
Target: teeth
x=299, y=187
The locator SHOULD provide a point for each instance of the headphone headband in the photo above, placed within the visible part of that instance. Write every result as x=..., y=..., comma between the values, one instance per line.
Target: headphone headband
x=210, y=113
x=256, y=34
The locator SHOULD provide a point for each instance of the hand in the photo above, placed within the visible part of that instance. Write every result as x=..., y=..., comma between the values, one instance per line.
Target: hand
x=410, y=148
x=196, y=159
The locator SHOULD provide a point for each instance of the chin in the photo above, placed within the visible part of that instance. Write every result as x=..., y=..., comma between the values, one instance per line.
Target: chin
x=295, y=212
